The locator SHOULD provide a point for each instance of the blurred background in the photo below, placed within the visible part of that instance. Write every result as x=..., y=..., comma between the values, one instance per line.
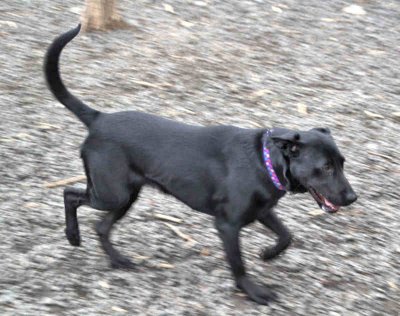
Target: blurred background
x=258, y=63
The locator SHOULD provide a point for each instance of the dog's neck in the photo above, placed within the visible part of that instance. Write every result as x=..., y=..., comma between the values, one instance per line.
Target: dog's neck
x=272, y=168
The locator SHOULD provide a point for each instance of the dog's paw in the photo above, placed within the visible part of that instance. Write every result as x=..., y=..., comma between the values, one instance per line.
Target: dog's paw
x=73, y=237
x=122, y=263
x=259, y=294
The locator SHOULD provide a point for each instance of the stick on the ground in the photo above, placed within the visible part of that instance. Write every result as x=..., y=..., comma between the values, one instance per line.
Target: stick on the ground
x=63, y=182
x=176, y=230
x=167, y=218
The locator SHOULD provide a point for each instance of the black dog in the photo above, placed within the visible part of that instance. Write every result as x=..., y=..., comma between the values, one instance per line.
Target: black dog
x=234, y=174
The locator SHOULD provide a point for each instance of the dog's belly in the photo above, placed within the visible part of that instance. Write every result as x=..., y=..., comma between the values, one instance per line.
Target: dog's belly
x=198, y=194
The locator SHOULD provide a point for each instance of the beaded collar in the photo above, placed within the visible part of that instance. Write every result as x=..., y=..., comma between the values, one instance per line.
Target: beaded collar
x=268, y=163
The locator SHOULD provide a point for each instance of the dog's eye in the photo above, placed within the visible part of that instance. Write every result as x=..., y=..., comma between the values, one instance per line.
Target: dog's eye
x=328, y=168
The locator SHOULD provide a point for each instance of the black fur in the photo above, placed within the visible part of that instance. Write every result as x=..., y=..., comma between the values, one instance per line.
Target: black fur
x=216, y=170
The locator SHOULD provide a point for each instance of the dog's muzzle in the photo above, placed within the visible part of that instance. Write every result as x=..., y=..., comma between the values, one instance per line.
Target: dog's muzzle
x=323, y=202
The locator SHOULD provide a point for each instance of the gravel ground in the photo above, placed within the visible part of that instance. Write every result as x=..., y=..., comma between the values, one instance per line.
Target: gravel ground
x=297, y=64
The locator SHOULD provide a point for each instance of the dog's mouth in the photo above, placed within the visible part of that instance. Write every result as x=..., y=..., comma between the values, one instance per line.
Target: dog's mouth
x=323, y=202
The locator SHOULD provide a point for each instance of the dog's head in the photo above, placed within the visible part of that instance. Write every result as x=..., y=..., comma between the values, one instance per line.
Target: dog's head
x=312, y=162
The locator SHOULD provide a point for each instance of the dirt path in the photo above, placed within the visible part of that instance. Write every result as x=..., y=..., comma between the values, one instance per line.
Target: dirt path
x=290, y=63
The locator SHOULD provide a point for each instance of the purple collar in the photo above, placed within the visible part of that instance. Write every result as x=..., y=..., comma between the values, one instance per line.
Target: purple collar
x=268, y=163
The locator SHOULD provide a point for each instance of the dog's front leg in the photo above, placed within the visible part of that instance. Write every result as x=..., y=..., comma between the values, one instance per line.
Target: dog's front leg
x=270, y=220
x=229, y=234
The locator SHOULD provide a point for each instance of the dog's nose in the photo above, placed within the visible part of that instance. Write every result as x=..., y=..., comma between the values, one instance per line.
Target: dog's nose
x=351, y=197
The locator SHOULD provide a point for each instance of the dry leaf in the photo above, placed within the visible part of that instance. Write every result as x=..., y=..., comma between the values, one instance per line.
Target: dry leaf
x=240, y=294
x=168, y=8
x=165, y=265
x=393, y=285
x=205, y=252
x=328, y=20
x=373, y=115
x=32, y=205
x=104, y=284
x=138, y=257
x=118, y=309
x=396, y=115
x=316, y=212
x=47, y=126
x=76, y=10
x=9, y=23
x=186, y=23
x=276, y=9
x=7, y=140
x=23, y=136
x=376, y=52
x=354, y=9
x=200, y=3
x=261, y=92
x=302, y=108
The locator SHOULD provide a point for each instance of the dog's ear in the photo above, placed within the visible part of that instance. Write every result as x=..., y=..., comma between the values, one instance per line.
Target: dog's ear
x=287, y=140
x=324, y=130
x=289, y=143
x=285, y=135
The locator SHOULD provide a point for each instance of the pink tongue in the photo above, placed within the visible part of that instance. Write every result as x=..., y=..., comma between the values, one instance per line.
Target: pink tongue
x=330, y=204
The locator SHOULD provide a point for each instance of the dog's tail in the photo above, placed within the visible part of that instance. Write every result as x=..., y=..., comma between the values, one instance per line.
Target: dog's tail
x=55, y=84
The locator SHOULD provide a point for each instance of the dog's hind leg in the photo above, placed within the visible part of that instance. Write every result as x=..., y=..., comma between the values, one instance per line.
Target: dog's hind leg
x=270, y=220
x=103, y=229
x=73, y=198
x=112, y=186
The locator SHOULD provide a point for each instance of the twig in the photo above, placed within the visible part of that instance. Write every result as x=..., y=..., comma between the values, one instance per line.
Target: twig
x=152, y=85
x=176, y=230
x=382, y=156
x=63, y=182
x=168, y=218
x=165, y=265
